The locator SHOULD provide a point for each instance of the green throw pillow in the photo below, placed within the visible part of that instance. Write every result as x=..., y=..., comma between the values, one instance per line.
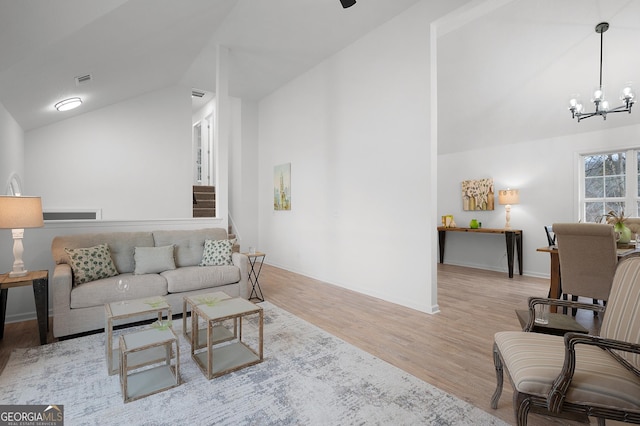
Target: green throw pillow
x=217, y=252
x=90, y=264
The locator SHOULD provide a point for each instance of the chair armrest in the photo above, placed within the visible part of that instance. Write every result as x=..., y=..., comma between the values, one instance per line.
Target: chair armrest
x=561, y=384
x=533, y=301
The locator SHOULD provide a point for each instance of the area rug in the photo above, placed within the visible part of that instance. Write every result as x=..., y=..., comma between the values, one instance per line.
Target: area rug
x=308, y=377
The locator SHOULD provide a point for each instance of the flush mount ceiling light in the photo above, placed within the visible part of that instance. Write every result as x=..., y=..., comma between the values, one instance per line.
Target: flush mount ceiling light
x=68, y=104
x=347, y=3
x=602, y=107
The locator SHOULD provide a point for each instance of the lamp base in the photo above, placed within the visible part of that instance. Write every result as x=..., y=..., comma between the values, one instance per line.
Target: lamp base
x=18, y=265
x=15, y=274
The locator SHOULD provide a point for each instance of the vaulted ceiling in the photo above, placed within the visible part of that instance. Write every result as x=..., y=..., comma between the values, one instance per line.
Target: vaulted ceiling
x=507, y=74
x=506, y=68
x=135, y=46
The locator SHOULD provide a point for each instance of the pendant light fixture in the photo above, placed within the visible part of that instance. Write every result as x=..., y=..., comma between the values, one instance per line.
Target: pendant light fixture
x=602, y=108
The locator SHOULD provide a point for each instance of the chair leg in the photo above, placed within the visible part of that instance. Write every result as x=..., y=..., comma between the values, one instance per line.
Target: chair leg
x=595, y=302
x=574, y=311
x=521, y=406
x=564, y=308
x=499, y=377
x=601, y=421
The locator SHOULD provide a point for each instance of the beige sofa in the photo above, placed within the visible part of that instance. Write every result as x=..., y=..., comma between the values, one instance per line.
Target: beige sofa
x=79, y=308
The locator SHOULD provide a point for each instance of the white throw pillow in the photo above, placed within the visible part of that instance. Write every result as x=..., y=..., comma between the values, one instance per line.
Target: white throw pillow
x=217, y=252
x=153, y=260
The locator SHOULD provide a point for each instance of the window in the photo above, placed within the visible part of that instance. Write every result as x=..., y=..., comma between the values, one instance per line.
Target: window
x=610, y=181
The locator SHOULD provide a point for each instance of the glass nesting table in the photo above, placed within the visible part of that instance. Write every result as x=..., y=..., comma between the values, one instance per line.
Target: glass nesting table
x=218, y=345
x=156, y=374
x=144, y=308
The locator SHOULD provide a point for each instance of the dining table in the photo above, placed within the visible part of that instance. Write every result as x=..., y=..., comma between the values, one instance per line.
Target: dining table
x=555, y=288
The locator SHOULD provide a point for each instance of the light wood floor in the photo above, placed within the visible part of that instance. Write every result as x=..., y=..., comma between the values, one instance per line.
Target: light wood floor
x=451, y=350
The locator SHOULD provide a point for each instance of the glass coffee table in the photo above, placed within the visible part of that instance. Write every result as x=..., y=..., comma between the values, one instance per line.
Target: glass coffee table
x=115, y=311
x=216, y=358
x=188, y=302
x=139, y=381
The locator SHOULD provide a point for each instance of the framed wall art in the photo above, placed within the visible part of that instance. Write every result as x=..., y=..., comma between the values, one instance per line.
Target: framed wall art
x=478, y=194
x=282, y=187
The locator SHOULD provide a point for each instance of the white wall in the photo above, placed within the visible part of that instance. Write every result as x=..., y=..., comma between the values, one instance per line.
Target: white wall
x=131, y=159
x=243, y=176
x=11, y=150
x=545, y=172
x=356, y=132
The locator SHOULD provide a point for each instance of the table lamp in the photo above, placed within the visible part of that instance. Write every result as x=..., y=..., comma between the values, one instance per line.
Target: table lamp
x=508, y=197
x=17, y=213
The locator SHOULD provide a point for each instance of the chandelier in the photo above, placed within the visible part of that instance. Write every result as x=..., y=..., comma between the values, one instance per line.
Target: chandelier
x=602, y=106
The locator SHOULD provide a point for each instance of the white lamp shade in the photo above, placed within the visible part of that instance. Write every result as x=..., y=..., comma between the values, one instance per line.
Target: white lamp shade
x=508, y=196
x=20, y=212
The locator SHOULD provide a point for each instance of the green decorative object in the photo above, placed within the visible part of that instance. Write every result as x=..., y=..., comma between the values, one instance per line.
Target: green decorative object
x=209, y=301
x=625, y=233
x=155, y=303
x=474, y=224
x=162, y=325
x=617, y=220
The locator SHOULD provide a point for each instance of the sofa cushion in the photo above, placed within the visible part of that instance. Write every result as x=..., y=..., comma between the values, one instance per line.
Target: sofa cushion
x=217, y=252
x=189, y=244
x=198, y=277
x=91, y=263
x=121, y=245
x=99, y=292
x=153, y=260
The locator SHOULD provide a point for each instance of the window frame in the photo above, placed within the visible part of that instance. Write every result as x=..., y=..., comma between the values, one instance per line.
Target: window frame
x=631, y=197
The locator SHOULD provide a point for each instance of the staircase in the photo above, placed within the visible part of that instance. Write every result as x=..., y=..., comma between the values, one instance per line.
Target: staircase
x=204, y=201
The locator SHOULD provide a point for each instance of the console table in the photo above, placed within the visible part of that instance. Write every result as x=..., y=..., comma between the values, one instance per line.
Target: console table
x=513, y=238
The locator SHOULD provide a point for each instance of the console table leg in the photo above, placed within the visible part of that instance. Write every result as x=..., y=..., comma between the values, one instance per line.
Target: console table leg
x=441, y=237
x=510, y=243
x=519, y=249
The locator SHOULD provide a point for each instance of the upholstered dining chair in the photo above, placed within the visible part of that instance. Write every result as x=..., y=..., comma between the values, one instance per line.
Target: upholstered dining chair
x=578, y=375
x=588, y=257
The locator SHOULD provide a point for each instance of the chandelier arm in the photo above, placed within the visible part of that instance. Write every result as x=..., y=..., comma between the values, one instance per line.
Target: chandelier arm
x=621, y=108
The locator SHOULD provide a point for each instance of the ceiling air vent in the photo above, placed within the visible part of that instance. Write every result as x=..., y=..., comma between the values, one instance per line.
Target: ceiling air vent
x=83, y=79
x=197, y=93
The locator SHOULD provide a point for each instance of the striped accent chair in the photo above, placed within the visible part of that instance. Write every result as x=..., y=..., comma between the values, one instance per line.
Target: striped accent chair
x=579, y=375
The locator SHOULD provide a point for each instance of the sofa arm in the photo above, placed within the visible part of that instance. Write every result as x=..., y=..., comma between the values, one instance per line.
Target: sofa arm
x=61, y=284
x=242, y=261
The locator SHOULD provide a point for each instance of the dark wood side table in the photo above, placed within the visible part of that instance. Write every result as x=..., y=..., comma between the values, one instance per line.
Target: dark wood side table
x=513, y=239
x=39, y=280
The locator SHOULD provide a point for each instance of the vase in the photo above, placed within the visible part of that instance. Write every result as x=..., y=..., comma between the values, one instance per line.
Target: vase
x=474, y=224
x=624, y=232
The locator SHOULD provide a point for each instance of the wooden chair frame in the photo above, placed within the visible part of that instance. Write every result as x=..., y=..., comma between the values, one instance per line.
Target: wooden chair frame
x=554, y=403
